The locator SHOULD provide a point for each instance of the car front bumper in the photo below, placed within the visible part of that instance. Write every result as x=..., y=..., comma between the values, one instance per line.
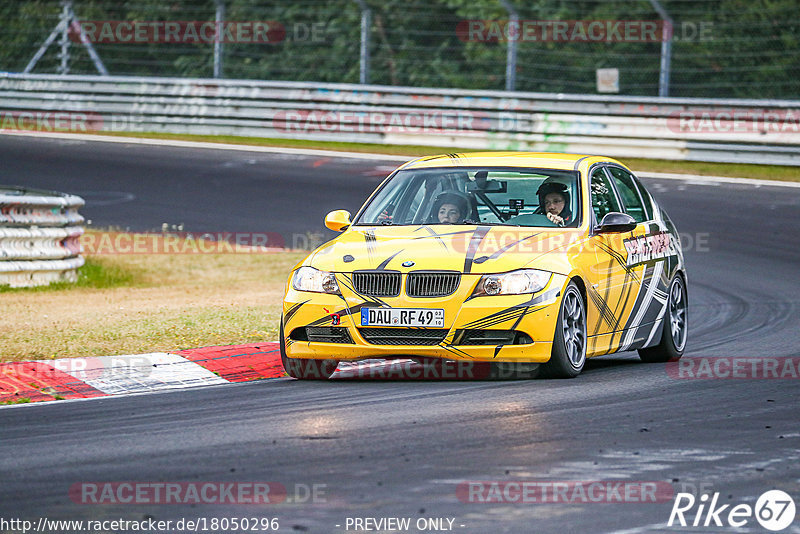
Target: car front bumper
x=533, y=315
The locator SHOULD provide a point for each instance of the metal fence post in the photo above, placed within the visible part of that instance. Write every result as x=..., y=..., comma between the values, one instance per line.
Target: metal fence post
x=666, y=49
x=366, y=21
x=64, y=20
x=513, y=36
x=220, y=19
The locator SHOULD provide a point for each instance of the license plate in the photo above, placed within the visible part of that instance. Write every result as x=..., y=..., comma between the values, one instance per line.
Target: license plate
x=402, y=317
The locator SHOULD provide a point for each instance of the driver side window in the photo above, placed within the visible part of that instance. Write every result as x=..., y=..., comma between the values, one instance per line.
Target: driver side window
x=603, y=199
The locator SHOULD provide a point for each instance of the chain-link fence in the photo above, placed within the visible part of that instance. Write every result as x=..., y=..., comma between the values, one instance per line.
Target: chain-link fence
x=697, y=48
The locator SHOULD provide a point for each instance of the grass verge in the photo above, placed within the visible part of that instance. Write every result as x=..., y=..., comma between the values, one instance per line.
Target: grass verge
x=739, y=170
x=139, y=303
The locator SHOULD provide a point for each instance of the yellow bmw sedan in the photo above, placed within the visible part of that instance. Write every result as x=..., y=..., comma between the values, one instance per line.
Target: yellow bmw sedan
x=506, y=258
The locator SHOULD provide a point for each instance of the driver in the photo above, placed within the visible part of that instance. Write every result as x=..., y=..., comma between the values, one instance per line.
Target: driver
x=554, y=202
x=449, y=207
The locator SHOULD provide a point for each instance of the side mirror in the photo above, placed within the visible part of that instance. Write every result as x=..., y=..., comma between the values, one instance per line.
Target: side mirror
x=338, y=220
x=615, y=223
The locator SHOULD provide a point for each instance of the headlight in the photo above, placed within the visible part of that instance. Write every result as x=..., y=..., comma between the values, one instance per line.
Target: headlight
x=310, y=279
x=513, y=283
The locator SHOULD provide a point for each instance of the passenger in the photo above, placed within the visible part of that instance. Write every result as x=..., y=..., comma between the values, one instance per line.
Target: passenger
x=450, y=207
x=554, y=202
x=449, y=213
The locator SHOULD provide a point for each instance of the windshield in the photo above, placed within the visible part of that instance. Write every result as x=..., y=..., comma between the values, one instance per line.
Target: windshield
x=487, y=195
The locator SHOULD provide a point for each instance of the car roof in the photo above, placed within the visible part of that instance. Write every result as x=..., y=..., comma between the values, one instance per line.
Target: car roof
x=545, y=160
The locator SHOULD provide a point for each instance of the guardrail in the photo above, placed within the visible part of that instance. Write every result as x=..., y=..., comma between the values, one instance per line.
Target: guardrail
x=39, y=237
x=744, y=131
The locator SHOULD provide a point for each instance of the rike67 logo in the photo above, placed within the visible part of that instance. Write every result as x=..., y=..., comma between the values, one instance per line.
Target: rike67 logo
x=774, y=510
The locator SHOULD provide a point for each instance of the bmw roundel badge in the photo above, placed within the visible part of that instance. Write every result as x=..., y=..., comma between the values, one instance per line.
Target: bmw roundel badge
x=408, y=263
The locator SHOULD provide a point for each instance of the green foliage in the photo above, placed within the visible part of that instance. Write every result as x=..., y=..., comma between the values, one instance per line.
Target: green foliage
x=95, y=273
x=750, y=48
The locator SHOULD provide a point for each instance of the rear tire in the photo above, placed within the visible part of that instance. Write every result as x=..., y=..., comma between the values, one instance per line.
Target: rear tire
x=305, y=369
x=569, y=341
x=674, y=331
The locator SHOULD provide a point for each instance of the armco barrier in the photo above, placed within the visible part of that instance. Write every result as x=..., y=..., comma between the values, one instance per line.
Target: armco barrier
x=39, y=237
x=746, y=131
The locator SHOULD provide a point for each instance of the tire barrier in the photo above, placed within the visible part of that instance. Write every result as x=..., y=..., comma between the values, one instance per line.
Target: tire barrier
x=39, y=237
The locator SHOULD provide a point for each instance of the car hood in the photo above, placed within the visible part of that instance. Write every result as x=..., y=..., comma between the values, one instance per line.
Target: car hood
x=474, y=249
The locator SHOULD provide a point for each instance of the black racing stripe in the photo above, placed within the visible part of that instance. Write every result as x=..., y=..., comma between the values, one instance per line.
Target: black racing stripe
x=353, y=311
x=326, y=318
x=291, y=311
x=623, y=262
x=643, y=287
x=506, y=248
x=602, y=307
x=617, y=310
x=454, y=350
x=434, y=235
x=385, y=262
x=495, y=318
x=348, y=284
x=536, y=299
x=515, y=312
x=519, y=319
x=474, y=243
x=607, y=295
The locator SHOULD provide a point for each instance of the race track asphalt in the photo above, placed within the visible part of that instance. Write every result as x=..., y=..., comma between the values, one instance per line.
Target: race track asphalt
x=401, y=449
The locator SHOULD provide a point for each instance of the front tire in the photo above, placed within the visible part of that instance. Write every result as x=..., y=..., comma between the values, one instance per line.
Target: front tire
x=569, y=342
x=305, y=369
x=674, y=331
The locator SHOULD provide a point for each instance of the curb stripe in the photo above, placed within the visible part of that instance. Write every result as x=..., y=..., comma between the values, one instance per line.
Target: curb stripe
x=40, y=381
x=138, y=373
x=239, y=363
x=80, y=378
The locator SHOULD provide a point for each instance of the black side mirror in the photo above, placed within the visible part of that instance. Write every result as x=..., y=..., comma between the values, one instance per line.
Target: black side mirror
x=615, y=223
